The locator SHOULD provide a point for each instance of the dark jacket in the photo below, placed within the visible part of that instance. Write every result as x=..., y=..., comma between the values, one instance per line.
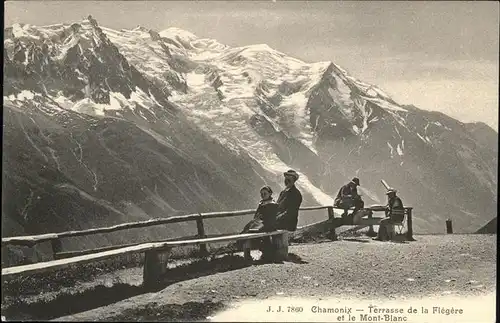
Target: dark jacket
x=288, y=208
x=395, y=209
x=264, y=219
x=346, y=192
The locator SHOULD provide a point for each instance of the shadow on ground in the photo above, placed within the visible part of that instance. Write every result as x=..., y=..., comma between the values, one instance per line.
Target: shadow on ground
x=187, y=312
x=295, y=259
x=400, y=241
x=67, y=304
x=356, y=240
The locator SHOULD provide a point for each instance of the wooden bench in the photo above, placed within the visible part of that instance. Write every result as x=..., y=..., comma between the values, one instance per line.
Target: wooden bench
x=361, y=220
x=55, y=239
x=156, y=255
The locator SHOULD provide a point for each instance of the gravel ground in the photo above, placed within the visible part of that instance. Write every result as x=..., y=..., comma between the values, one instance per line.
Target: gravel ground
x=359, y=268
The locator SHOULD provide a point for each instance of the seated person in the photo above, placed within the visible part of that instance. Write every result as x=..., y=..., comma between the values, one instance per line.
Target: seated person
x=264, y=220
x=394, y=213
x=348, y=197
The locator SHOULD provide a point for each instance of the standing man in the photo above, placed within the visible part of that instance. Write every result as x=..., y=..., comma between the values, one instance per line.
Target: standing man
x=394, y=213
x=348, y=197
x=288, y=203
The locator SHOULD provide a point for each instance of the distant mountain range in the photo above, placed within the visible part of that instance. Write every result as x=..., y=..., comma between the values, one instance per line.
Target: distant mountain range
x=104, y=126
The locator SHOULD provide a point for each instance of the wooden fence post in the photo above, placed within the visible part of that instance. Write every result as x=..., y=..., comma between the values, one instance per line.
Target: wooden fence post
x=281, y=246
x=330, y=212
x=56, y=247
x=449, y=226
x=155, y=265
x=332, y=235
x=371, y=232
x=247, y=249
x=201, y=235
x=409, y=232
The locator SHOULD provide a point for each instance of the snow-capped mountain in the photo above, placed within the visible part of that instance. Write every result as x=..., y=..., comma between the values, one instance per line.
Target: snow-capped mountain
x=321, y=120
x=144, y=122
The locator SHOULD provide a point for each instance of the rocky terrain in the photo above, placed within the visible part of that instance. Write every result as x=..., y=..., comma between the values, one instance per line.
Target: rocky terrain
x=352, y=268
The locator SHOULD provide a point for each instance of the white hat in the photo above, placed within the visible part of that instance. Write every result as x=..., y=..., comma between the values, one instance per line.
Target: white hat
x=391, y=190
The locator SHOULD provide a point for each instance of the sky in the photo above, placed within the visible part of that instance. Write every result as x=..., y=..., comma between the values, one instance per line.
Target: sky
x=440, y=56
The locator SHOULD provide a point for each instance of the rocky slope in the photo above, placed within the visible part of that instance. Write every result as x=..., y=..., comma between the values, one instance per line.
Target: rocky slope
x=489, y=228
x=104, y=126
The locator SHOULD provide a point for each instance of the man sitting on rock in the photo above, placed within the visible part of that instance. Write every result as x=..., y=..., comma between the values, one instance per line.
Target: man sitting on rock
x=394, y=213
x=348, y=197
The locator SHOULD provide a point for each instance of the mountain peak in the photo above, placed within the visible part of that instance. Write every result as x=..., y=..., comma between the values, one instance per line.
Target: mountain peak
x=92, y=21
x=262, y=47
x=174, y=32
x=141, y=28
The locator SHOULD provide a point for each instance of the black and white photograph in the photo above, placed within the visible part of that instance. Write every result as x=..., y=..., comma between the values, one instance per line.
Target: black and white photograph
x=250, y=161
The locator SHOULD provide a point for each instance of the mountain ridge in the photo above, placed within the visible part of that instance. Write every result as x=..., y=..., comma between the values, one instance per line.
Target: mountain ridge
x=254, y=111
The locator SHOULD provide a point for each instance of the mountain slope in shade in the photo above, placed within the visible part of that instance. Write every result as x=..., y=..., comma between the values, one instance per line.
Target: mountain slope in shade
x=133, y=124
x=64, y=170
x=490, y=227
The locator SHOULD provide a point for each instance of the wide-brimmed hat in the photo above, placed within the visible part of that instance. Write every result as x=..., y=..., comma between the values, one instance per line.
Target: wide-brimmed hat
x=391, y=190
x=355, y=180
x=292, y=173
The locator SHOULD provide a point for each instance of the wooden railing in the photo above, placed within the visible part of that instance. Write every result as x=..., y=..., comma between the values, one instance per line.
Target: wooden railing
x=156, y=255
x=55, y=238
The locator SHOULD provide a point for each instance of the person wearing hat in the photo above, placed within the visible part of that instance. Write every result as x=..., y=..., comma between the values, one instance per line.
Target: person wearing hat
x=348, y=197
x=289, y=203
x=394, y=213
x=264, y=220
